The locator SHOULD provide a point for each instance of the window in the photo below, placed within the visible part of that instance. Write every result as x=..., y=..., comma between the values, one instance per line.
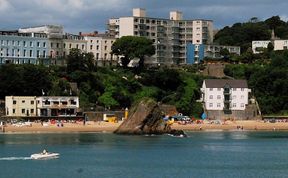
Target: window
x=242, y=96
x=211, y=97
x=218, y=97
x=97, y=47
x=242, y=105
x=242, y=89
x=218, y=105
x=91, y=47
x=32, y=111
x=24, y=43
x=44, y=44
x=31, y=44
x=218, y=89
x=83, y=47
x=211, y=89
x=70, y=46
x=14, y=111
x=234, y=97
x=105, y=48
x=23, y=101
x=73, y=102
x=210, y=105
x=23, y=111
x=32, y=102
x=234, y=105
x=38, y=44
x=14, y=102
x=234, y=89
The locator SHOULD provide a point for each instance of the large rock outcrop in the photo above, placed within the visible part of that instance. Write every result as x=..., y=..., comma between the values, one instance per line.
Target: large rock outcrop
x=146, y=118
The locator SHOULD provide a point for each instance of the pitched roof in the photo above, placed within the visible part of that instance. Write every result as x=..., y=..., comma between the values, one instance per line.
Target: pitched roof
x=220, y=83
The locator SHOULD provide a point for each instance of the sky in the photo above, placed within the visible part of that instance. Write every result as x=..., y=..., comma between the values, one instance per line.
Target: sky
x=93, y=15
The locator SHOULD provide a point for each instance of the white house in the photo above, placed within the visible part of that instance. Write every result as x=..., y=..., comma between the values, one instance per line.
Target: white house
x=225, y=95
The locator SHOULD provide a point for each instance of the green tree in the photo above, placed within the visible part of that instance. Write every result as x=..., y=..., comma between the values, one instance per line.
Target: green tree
x=131, y=47
x=76, y=60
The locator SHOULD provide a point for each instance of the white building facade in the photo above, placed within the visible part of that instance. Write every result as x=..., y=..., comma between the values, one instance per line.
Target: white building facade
x=259, y=46
x=225, y=95
x=170, y=36
x=20, y=106
x=44, y=106
x=101, y=46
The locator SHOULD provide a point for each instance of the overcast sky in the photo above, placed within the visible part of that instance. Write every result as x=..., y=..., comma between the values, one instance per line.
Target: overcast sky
x=91, y=15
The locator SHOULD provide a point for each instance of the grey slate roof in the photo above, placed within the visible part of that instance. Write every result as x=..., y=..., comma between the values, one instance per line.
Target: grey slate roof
x=220, y=83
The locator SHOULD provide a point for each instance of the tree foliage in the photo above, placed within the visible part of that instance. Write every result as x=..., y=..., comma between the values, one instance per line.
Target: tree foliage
x=24, y=80
x=76, y=60
x=131, y=47
x=242, y=34
x=269, y=82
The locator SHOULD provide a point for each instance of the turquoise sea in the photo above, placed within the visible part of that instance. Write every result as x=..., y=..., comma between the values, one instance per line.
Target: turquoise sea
x=202, y=154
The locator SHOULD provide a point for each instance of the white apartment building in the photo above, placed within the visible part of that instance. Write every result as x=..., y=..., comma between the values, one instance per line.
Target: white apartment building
x=170, y=36
x=20, y=105
x=225, y=95
x=44, y=106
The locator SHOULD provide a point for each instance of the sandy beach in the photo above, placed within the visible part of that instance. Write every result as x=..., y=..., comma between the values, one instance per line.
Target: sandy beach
x=91, y=126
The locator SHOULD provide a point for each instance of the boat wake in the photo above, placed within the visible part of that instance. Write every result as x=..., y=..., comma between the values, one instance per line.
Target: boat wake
x=14, y=158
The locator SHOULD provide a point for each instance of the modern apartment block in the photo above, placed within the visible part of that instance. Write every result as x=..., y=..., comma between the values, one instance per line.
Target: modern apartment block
x=174, y=38
x=44, y=106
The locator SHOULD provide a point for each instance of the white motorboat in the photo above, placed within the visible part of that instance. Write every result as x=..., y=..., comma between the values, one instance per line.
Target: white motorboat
x=45, y=155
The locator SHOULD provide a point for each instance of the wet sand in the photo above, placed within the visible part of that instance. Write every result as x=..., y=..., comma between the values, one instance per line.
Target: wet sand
x=110, y=127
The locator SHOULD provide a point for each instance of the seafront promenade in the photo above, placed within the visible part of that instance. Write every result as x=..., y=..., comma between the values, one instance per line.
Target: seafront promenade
x=91, y=126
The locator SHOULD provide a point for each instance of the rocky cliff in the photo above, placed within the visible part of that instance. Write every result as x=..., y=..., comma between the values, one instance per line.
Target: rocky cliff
x=146, y=118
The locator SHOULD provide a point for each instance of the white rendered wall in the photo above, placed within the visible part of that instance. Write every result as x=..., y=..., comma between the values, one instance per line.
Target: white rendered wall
x=126, y=26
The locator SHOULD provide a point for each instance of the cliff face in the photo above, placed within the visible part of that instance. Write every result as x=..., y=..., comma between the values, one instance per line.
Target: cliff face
x=145, y=118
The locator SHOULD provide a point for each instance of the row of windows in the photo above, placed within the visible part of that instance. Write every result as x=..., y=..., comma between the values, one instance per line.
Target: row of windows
x=219, y=89
x=24, y=43
x=164, y=22
x=97, y=41
x=234, y=105
x=23, y=111
x=219, y=97
x=48, y=102
x=97, y=47
x=23, y=101
x=18, y=53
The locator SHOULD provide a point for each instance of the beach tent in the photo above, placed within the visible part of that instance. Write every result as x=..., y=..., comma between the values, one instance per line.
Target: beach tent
x=204, y=116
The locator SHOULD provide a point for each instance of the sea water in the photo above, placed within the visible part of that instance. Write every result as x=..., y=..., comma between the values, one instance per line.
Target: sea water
x=201, y=154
